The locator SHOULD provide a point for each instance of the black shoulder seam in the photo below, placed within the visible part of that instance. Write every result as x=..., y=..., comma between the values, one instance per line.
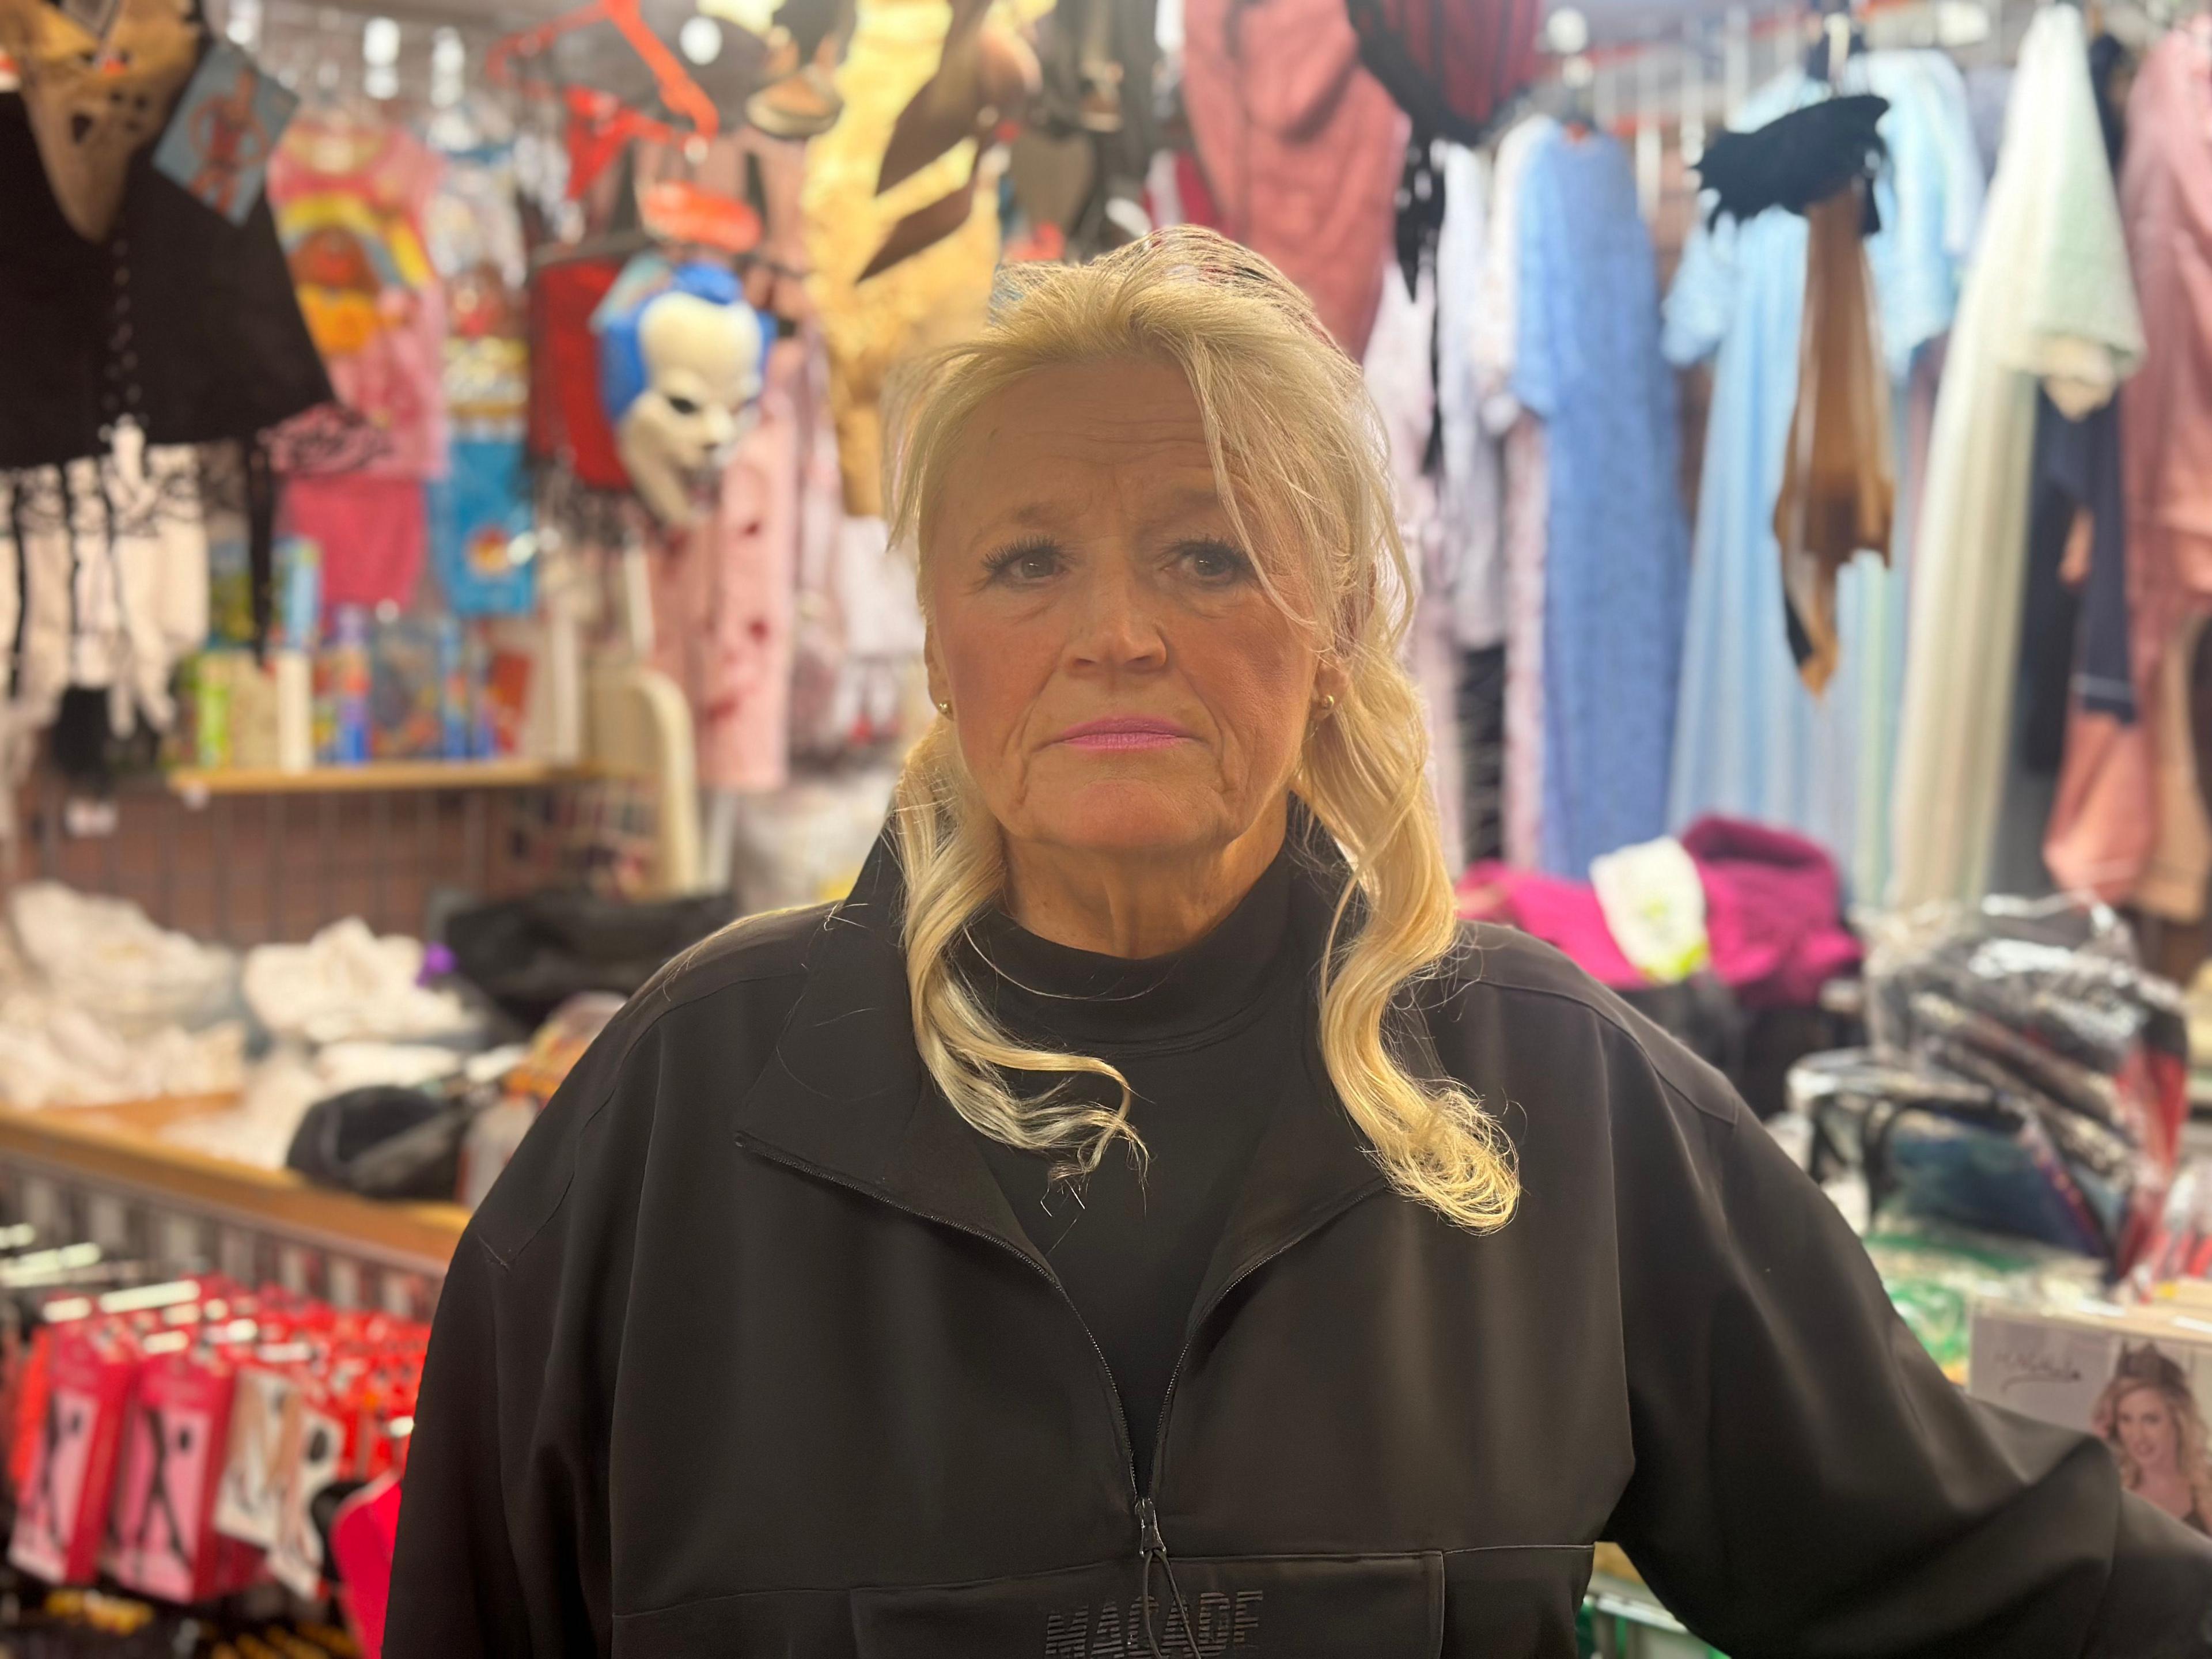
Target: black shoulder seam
x=1598, y=1011
x=670, y=1002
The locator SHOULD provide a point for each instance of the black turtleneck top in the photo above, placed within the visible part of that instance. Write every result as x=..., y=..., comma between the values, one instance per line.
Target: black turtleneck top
x=1209, y=1038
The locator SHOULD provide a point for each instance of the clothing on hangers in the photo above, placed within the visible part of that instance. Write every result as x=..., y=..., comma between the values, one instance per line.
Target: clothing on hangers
x=1302, y=145
x=2074, y=620
x=2049, y=300
x=723, y=593
x=1616, y=548
x=1452, y=67
x=1397, y=369
x=1524, y=489
x=2112, y=780
x=569, y=424
x=1752, y=741
x=1472, y=565
x=2074, y=634
x=181, y=318
x=352, y=197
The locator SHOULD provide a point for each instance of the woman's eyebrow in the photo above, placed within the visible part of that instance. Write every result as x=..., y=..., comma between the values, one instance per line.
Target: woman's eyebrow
x=1183, y=503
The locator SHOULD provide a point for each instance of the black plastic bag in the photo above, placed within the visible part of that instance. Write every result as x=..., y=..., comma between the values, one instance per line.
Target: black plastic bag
x=383, y=1142
x=531, y=954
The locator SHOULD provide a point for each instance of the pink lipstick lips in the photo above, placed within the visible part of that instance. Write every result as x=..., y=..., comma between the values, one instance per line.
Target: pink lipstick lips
x=1123, y=735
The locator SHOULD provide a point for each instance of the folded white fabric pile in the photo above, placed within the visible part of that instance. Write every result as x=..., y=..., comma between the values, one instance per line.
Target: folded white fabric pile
x=56, y=1053
x=98, y=1004
x=346, y=984
x=107, y=957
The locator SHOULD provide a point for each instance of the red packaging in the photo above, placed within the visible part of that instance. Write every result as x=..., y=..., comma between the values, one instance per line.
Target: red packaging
x=30, y=1408
x=164, y=1542
x=63, y=1509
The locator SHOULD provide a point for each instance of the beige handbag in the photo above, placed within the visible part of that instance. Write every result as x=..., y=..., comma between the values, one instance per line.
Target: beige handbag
x=93, y=103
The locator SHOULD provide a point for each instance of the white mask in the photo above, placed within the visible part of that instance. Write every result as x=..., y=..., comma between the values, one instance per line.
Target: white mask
x=703, y=375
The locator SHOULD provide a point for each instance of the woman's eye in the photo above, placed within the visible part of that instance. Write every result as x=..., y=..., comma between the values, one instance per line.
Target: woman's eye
x=1215, y=561
x=1024, y=564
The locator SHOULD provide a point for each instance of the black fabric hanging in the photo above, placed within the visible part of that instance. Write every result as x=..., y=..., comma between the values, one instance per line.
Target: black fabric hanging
x=181, y=318
x=261, y=540
x=1801, y=158
x=1452, y=64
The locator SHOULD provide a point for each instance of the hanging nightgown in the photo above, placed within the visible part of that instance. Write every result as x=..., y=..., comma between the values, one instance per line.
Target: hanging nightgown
x=2049, y=299
x=1616, y=556
x=1751, y=741
x=1522, y=488
x=1397, y=369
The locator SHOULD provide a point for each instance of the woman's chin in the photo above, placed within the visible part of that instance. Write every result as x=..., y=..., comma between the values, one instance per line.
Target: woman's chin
x=1132, y=817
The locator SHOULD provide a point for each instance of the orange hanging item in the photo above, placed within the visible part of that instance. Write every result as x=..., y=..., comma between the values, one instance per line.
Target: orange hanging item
x=1838, y=483
x=676, y=211
x=600, y=125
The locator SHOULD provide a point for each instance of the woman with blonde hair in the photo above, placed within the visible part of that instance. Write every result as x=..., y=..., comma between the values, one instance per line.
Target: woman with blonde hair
x=2147, y=1415
x=1139, y=1219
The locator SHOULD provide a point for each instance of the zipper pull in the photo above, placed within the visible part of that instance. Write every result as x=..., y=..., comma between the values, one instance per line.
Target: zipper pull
x=1149, y=1542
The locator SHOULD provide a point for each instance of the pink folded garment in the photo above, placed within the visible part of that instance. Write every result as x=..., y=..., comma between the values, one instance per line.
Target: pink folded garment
x=1562, y=913
x=1773, y=913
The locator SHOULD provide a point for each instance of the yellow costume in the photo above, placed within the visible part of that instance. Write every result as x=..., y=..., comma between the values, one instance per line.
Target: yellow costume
x=939, y=294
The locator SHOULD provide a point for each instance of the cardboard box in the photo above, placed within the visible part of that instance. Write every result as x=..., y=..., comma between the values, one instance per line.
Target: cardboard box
x=2139, y=1379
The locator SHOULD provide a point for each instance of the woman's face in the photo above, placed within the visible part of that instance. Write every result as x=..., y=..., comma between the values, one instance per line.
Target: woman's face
x=1120, y=683
x=2148, y=1431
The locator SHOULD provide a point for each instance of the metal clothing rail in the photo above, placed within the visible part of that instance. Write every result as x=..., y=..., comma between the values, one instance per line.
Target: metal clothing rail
x=98, y=1174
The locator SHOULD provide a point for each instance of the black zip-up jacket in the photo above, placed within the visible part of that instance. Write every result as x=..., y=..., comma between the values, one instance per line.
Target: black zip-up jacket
x=747, y=1355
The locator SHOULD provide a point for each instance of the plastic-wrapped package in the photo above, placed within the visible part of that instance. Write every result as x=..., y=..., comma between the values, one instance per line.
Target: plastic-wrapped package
x=2027, y=1074
x=2182, y=1257
x=1935, y=1275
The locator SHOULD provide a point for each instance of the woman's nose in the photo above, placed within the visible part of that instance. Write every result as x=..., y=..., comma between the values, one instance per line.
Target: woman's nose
x=1115, y=629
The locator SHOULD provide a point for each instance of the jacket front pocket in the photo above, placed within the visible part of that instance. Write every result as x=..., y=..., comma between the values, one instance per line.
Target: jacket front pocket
x=1515, y=1603
x=1381, y=1606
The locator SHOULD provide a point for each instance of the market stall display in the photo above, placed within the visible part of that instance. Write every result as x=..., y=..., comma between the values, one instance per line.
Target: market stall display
x=191, y=1439
x=418, y=439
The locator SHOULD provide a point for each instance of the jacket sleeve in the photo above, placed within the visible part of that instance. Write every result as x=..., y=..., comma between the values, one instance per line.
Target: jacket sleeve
x=503, y=1548
x=1808, y=1484
x=457, y=1588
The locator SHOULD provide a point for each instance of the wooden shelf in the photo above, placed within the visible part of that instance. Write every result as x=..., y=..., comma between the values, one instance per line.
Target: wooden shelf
x=114, y=1148
x=375, y=776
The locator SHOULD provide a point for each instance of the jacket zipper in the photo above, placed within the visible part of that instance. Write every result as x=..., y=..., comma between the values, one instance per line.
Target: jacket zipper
x=1150, y=1505
x=1144, y=1506
x=1120, y=1415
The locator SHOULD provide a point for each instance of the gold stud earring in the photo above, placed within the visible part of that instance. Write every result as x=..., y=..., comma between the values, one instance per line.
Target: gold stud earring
x=1329, y=702
x=946, y=710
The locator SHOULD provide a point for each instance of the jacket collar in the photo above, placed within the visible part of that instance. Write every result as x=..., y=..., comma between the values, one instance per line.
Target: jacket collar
x=845, y=1095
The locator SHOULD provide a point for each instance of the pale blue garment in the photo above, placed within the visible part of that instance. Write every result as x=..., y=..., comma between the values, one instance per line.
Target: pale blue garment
x=1751, y=741
x=1588, y=364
